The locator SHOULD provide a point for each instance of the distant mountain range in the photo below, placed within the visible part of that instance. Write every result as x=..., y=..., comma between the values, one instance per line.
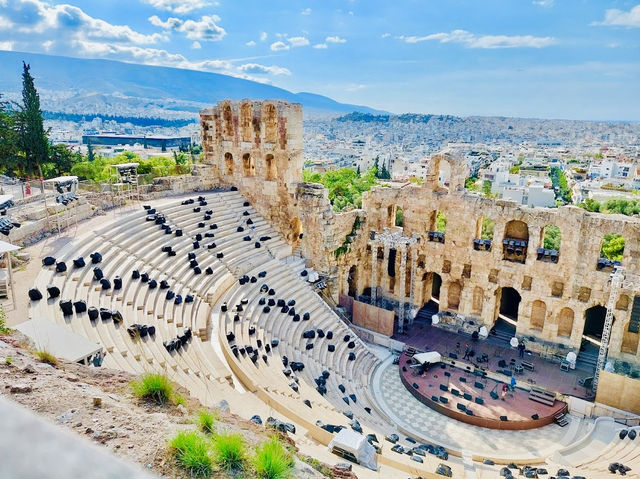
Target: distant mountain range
x=83, y=86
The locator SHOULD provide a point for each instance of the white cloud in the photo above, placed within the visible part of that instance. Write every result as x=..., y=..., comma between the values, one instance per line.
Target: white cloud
x=615, y=17
x=471, y=40
x=35, y=17
x=180, y=6
x=385, y=35
x=320, y=46
x=196, y=45
x=335, y=39
x=250, y=43
x=298, y=41
x=6, y=46
x=204, y=29
x=47, y=45
x=279, y=46
x=255, y=68
x=306, y=11
x=543, y=3
x=263, y=36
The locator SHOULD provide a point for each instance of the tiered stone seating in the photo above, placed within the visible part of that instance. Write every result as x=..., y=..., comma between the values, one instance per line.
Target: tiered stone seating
x=133, y=243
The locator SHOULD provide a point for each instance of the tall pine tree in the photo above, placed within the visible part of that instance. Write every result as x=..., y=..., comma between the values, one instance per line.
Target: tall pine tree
x=33, y=139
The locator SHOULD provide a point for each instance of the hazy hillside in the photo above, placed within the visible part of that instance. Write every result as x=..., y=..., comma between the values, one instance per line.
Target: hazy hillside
x=77, y=85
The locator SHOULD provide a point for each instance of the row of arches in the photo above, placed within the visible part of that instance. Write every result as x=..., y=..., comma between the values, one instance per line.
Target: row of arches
x=248, y=124
x=516, y=240
x=508, y=309
x=249, y=166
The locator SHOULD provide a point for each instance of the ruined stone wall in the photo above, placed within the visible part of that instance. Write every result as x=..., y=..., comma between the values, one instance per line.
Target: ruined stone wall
x=554, y=296
x=257, y=147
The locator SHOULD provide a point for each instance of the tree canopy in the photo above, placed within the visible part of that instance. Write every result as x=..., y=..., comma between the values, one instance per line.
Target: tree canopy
x=552, y=238
x=612, y=247
x=345, y=185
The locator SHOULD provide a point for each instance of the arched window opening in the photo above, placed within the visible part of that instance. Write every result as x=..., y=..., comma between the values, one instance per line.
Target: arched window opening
x=437, y=226
x=245, y=121
x=515, y=241
x=484, y=234
x=248, y=165
x=352, y=281
x=611, y=251
x=550, y=240
x=270, y=123
x=271, y=169
x=227, y=116
x=228, y=164
x=399, y=221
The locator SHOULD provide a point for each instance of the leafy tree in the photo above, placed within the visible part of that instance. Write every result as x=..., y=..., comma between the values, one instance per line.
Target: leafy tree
x=612, y=247
x=384, y=173
x=61, y=161
x=33, y=138
x=559, y=181
x=471, y=183
x=441, y=222
x=621, y=206
x=514, y=169
x=345, y=185
x=90, y=154
x=9, y=150
x=488, y=226
x=486, y=187
x=552, y=238
x=399, y=216
x=590, y=204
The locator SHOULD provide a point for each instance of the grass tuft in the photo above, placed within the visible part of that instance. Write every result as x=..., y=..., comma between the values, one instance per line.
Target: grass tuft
x=46, y=357
x=272, y=460
x=192, y=452
x=206, y=420
x=229, y=451
x=153, y=387
x=8, y=360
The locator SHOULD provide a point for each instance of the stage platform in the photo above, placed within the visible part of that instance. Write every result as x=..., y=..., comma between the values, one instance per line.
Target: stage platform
x=462, y=395
x=546, y=373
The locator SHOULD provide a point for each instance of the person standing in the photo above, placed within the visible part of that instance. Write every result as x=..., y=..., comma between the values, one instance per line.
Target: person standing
x=467, y=350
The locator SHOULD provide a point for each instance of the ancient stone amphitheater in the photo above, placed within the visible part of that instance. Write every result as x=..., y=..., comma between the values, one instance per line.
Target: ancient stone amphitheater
x=211, y=288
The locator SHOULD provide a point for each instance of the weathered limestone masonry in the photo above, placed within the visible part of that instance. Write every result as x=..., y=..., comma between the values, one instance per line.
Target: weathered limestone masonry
x=257, y=146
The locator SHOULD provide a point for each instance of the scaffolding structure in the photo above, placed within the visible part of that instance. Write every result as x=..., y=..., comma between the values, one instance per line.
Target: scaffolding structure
x=619, y=279
x=64, y=189
x=123, y=183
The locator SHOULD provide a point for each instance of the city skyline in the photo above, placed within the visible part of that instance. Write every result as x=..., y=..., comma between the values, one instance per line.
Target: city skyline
x=544, y=58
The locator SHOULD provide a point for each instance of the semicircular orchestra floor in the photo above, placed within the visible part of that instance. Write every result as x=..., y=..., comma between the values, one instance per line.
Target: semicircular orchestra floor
x=426, y=424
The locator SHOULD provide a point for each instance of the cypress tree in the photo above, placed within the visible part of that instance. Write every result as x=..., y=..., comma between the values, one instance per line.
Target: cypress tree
x=33, y=138
x=90, y=154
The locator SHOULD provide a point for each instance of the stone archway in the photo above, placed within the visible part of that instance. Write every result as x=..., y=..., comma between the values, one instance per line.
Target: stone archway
x=352, y=281
x=228, y=164
x=295, y=230
x=271, y=171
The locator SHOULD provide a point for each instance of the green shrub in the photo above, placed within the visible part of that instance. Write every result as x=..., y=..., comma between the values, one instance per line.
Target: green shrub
x=154, y=387
x=8, y=360
x=229, y=451
x=206, y=420
x=3, y=322
x=46, y=357
x=272, y=460
x=192, y=452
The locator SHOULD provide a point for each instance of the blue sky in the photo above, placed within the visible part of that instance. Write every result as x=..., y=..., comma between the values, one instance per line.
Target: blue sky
x=577, y=59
